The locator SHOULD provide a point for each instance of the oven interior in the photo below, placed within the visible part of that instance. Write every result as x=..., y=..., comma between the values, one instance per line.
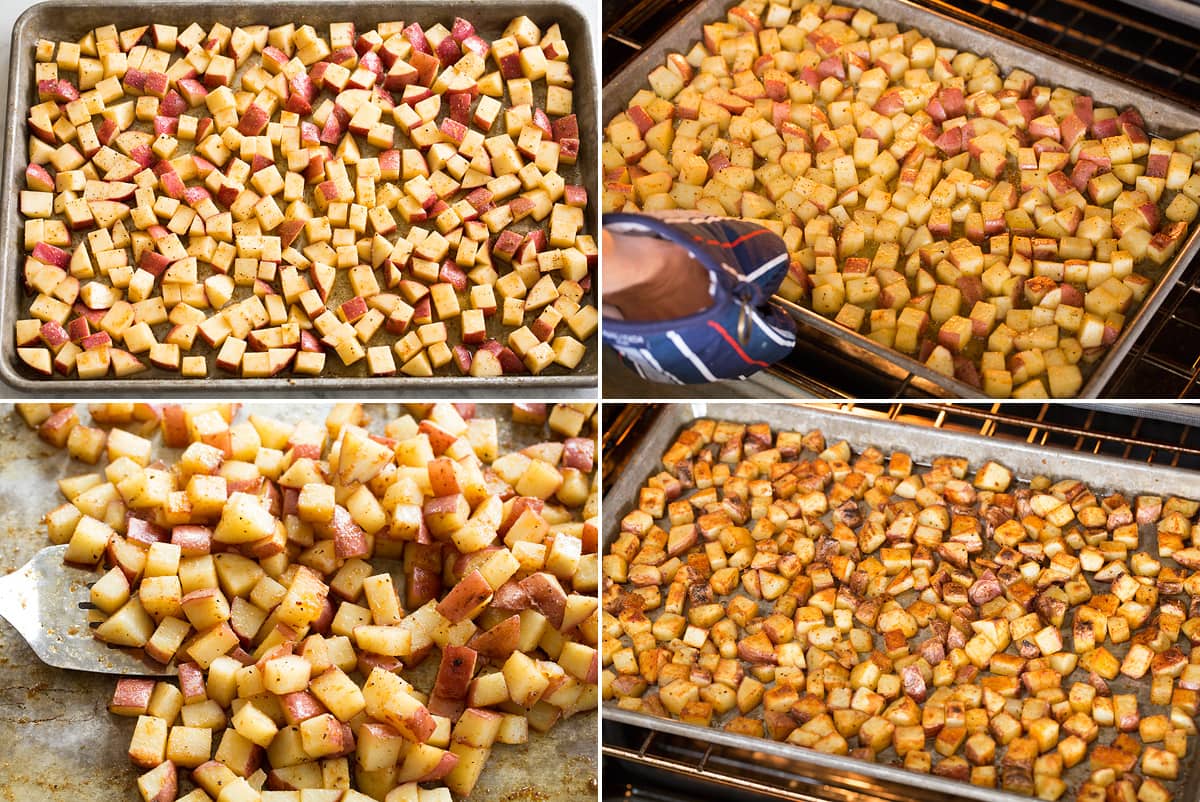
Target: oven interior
x=1131, y=42
x=641, y=764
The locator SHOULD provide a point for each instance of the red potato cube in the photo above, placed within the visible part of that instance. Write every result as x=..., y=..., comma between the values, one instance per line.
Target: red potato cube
x=463, y=359
x=131, y=697
x=474, y=327
x=254, y=121
x=353, y=310
x=38, y=178
x=455, y=673
x=956, y=333
x=387, y=700
x=466, y=599
x=53, y=335
x=160, y=784
x=547, y=596
x=500, y=641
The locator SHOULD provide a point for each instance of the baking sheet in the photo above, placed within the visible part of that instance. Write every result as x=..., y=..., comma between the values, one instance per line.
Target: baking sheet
x=1163, y=118
x=71, y=19
x=59, y=743
x=922, y=443
x=1186, y=11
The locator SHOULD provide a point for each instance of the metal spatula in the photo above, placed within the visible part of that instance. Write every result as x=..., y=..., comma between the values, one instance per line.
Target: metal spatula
x=47, y=601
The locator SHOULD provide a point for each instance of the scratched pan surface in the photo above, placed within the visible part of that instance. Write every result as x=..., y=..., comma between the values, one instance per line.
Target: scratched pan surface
x=1163, y=118
x=69, y=20
x=59, y=743
x=923, y=444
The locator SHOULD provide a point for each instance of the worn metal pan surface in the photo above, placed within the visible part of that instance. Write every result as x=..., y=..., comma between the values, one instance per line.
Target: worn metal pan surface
x=922, y=443
x=59, y=743
x=68, y=20
x=1163, y=118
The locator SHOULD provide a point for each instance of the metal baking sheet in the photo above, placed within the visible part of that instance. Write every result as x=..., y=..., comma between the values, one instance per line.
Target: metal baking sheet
x=922, y=443
x=71, y=19
x=1186, y=11
x=59, y=743
x=1163, y=118
x=1187, y=414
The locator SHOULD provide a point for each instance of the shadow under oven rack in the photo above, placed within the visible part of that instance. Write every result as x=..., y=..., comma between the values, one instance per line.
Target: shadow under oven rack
x=642, y=764
x=1133, y=44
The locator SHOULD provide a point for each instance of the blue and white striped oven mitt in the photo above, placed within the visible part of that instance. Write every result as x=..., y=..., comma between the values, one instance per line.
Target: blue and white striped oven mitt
x=741, y=333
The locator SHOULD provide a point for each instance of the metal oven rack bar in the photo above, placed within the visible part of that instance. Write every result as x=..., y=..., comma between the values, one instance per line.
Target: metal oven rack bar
x=696, y=771
x=1138, y=46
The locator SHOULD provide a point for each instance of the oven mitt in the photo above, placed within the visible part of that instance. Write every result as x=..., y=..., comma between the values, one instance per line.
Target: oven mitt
x=741, y=333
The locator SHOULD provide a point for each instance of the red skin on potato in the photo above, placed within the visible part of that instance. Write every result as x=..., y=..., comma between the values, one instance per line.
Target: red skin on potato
x=439, y=438
x=422, y=311
x=100, y=339
x=510, y=66
x=92, y=316
x=446, y=765
x=142, y=531
x=301, y=706
x=547, y=596
x=426, y=66
x=511, y=596
x=477, y=45
x=353, y=309
x=519, y=506
x=191, y=683
x=372, y=62
x=369, y=661
x=449, y=51
x=38, y=178
x=450, y=273
x=348, y=538
x=78, y=328
x=51, y=255
x=423, y=585
x=416, y=37
x=131, y=697
x=500, y=641
x=53, y=335
x=579, y=453
x=460, y=109
x=175, y=429
x=465, y=597
x=542, y=120
x=168, y=783
x=461, y=29
x=60, y=91
x=455, y=672
x=463, y=358
x=566, y=128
